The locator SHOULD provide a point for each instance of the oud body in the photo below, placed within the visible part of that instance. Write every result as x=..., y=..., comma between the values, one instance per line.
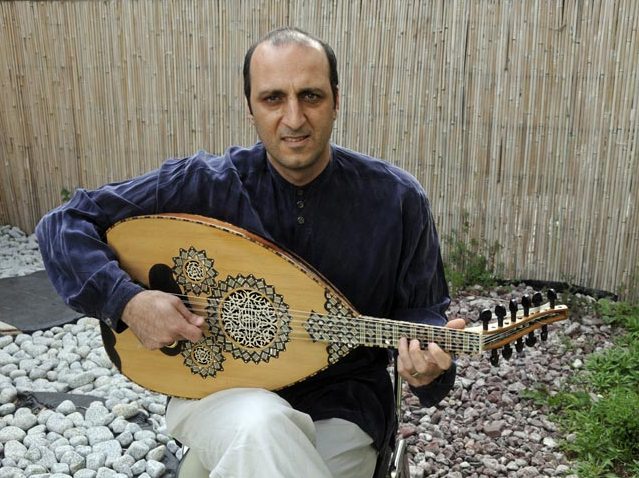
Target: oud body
x=270, y=319
x=216, y=267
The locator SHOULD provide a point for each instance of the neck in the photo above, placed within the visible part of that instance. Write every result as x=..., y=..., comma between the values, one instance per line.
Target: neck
x=303, y=175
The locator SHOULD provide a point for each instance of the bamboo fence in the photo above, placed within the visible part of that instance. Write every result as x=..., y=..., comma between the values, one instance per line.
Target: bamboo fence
x=519, y=117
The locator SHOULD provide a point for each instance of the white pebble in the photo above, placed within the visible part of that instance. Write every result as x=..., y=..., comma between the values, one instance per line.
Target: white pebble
x=11, y=433
x=14, y=450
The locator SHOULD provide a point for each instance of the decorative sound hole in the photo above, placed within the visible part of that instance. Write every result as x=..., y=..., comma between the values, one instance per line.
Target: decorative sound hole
x=202, y=355
x=194, y=271
x=249, y=318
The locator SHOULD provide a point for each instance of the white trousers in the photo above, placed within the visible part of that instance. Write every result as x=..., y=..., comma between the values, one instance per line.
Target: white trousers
x=247, y=432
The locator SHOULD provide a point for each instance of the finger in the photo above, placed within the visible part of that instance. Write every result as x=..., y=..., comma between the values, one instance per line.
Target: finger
x=422, y=369
x=403, y=345
x=403, y=359
x=196, y=320
x=406, y=371
x=172, y=320
x=439, y=357
x=186, y=330
x=420, y=359
x=456, y=324
x=192, y=318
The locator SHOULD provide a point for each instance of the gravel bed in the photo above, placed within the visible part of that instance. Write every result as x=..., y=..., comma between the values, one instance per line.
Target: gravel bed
x=484, y=428
x=112, y=428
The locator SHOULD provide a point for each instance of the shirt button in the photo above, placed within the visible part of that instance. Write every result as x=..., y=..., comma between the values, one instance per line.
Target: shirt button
x=300, y=219
x=300, y=204
x=300, y=192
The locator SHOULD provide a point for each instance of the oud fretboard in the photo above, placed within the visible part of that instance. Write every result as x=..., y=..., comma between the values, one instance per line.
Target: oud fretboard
x=375, y=332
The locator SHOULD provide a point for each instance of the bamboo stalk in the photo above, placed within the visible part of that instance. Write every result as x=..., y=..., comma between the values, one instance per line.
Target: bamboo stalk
x=522, y=114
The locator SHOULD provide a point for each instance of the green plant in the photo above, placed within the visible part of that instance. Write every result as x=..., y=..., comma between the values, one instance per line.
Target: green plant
x=620, y=314
x=602, y=410
x=564, y=401
x=607, y=434
x=469, y=261
x=65, y=194
x=618, y=367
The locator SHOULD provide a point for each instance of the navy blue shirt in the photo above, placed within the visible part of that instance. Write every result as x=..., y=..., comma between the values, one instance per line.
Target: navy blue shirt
x=364, y=224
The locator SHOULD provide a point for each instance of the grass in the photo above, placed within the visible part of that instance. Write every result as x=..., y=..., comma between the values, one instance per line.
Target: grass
x=602, y=413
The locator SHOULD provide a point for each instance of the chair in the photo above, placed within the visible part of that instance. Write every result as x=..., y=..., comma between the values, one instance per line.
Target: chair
x=392, y=461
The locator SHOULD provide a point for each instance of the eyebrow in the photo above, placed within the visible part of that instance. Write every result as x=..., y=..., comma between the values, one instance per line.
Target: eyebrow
x=274, y=91
x=277, y=91
x=316, y=91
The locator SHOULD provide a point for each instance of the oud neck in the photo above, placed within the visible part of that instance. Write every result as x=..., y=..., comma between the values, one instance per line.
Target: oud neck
x=385, y=333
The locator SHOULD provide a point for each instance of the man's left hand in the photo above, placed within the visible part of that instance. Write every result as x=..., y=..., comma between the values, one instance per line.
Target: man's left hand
x=419, y=367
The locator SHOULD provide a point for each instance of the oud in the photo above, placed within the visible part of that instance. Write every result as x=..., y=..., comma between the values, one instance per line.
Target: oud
x=270, y=319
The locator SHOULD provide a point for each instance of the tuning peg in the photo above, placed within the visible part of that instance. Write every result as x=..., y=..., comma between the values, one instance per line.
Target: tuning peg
x=500, y=312
x=519, y=345
x=485, y=316
x=494, y=357
x=525, y=303
x=512, y=306
x=531, y=339
x=507, y=351
x=544, y=333
x=537, y=299
x=552, y=297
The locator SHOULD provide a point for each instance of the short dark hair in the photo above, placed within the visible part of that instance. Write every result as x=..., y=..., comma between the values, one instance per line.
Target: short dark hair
x=283, y=36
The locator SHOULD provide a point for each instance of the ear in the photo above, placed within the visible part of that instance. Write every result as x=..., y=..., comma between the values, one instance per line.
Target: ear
x=337, y=102
x=249, y=114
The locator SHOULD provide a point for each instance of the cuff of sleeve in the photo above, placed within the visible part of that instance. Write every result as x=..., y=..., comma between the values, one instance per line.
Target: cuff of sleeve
x=121, y=296
x=433, y=393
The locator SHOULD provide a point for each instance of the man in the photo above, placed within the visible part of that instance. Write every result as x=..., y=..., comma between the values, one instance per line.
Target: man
x=362, y=223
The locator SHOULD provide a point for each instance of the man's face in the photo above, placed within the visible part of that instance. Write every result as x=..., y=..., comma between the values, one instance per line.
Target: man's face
x=293, y=108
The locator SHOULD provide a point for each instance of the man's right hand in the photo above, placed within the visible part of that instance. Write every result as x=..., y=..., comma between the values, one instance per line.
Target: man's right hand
x=159, y=319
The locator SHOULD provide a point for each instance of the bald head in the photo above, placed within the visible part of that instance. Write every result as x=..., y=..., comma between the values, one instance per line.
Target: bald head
x=286, y=36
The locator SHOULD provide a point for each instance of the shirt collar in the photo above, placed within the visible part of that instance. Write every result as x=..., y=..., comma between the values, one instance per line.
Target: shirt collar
x=307, y=188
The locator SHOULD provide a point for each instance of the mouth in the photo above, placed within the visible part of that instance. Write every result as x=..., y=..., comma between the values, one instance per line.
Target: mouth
x=295, y=140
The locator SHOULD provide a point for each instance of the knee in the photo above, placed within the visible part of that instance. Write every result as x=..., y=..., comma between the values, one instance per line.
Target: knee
x=239, y=416
x=260, y=410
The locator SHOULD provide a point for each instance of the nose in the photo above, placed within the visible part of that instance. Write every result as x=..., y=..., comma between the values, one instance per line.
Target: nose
x=294, y=117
